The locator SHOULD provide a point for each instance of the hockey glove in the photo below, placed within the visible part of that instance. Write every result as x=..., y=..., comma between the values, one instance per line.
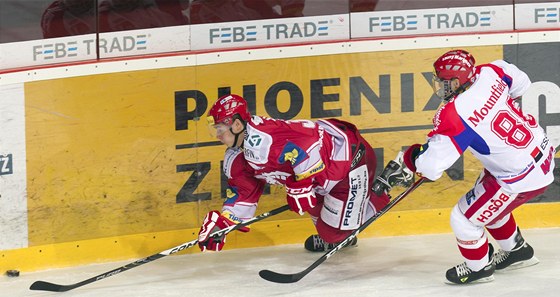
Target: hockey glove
x=300, y=195
x=411, y=154
x=213, y=222
x=394, y=174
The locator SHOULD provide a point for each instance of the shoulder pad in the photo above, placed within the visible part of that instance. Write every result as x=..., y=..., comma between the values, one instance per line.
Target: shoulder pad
x=447, y=121
x=231, y=155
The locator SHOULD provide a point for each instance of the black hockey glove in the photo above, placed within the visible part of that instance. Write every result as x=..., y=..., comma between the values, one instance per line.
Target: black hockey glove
x=394, y=174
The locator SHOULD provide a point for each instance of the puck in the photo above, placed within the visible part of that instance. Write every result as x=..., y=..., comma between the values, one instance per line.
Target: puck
x=12, y=273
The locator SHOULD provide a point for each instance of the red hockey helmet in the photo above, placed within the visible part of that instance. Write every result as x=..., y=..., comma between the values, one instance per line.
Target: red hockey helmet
x=453, y=65
x=226, y=109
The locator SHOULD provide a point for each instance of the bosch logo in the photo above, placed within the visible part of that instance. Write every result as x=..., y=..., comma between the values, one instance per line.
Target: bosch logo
x=493, y=206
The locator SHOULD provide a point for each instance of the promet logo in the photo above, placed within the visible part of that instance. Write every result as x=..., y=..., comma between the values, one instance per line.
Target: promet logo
x=445, y=20
x=57, y=50
x=279, y=31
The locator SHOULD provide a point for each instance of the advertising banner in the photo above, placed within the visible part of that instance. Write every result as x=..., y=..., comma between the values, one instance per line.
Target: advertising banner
x=537, y=15
x=432, y=21
x=85, y=47
x=270, y=32
x=144, y=42
x=13, y=175
x=48, y=51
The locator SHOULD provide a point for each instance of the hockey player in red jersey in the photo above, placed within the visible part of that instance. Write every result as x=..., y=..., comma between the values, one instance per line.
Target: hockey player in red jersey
x=481, y=114
x=326, y=167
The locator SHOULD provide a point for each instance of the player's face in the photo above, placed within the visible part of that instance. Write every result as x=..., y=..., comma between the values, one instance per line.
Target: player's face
x=223, y=133
x=226, y=134
x=444, y=88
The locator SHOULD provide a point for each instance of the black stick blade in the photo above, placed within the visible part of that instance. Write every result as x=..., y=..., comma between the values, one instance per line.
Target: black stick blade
x=280, y=278
x=46, y=286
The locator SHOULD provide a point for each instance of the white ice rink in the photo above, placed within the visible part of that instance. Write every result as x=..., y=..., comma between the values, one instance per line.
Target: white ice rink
x=389, y=266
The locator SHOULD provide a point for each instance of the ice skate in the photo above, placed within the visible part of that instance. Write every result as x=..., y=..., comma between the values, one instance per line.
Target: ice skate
x=461, y=274
x=521, y=256
x=315, y=243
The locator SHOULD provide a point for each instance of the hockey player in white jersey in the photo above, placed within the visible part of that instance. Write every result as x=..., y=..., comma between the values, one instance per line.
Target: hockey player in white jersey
x=481, y=114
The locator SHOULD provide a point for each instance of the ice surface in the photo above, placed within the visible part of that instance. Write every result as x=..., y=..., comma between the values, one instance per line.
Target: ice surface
x=387, y=266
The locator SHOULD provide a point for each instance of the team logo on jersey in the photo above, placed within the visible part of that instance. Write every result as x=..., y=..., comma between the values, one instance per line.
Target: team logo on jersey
x=254, y=140
x=293, y=154
x=536, y=154
x=231, y=195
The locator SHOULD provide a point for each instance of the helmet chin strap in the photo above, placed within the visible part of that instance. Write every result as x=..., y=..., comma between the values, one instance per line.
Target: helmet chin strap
x=236, y=138
x=237, y=134
x=458, y=91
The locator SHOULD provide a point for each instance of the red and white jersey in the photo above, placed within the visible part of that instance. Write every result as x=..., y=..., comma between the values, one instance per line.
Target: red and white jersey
x=486, y=120
x=275, y=150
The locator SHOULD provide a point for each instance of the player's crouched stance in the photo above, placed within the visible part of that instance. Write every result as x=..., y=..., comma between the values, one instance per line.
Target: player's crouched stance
x=517, y=156
x=326, y=167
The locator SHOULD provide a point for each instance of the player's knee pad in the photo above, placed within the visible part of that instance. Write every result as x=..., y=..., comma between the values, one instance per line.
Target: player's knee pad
x=467, y=233
x=331, y=234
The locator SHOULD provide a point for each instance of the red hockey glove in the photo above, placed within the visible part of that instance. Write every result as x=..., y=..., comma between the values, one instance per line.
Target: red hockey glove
x=214, y=221
x=410, y=156
x=301, y=196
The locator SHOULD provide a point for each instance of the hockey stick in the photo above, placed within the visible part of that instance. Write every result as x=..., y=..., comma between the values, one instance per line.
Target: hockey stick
x=46, y=286
x=294, y=277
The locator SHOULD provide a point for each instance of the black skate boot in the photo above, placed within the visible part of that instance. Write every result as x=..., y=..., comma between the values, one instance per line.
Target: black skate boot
x=461, y=274
x=394, y=174
x=521, y=256
x=315, y=243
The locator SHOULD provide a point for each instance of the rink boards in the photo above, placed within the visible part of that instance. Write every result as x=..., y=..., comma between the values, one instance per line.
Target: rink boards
x=113, y=160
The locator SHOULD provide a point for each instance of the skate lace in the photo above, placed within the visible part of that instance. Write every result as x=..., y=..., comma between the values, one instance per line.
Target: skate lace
x=501, y=256
x=463, y=269
x=318, y=243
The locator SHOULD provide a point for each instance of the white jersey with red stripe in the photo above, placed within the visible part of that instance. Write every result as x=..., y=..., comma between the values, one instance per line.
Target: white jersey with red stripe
x=486, y=120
